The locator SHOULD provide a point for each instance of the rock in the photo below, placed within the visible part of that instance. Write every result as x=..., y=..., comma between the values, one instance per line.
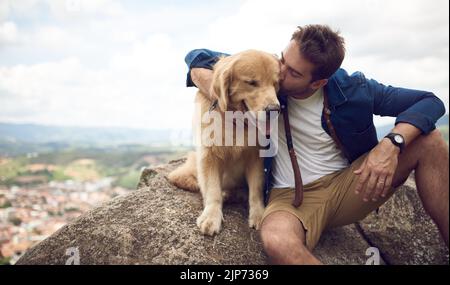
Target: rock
x=343, y=245
x=404, y=232
x=156, y=225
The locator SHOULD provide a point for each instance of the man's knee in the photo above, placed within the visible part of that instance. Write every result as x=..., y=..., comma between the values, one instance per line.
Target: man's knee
x=272, y=240
x=280, y=231
x=432, y=142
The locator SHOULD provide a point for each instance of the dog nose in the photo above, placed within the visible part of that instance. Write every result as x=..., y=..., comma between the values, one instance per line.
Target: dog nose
x=272, y=107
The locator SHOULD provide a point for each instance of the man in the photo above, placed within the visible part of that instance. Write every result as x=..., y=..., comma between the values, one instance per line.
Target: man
x=346, y=172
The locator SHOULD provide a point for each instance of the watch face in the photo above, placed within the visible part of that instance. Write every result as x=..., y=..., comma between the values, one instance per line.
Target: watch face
x=398, y=139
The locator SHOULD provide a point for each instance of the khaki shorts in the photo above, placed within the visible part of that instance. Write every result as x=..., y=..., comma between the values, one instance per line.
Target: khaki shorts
x=327, y=202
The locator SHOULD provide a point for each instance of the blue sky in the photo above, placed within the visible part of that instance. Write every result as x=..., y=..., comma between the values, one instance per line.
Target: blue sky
x=120, y=63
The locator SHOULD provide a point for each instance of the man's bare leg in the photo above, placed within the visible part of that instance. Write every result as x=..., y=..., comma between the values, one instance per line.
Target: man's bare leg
x=283, y=235
x=283, y=238
x=429, y=157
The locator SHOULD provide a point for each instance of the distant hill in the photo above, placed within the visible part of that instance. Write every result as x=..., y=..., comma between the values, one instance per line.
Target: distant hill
x=41, y=134
x=19, y=139
x=34, y=133
x=29, y=138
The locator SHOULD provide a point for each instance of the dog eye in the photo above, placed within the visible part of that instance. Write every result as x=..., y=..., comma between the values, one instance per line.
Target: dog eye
x=253, y=83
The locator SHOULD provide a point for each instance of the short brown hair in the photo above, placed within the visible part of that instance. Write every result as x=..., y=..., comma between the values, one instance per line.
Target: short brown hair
x=322, y=47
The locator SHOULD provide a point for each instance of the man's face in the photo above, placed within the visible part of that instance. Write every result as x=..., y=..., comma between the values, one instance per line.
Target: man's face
x=296, y=73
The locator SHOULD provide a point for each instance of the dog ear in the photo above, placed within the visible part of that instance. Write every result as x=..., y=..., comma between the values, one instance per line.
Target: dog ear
x=222, y=79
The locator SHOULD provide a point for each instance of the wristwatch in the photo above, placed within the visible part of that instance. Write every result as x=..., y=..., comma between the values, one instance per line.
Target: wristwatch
x=397, y=139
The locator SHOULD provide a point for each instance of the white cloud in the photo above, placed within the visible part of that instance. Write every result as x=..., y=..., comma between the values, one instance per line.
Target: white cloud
x=68, y=9
x=4, y=9
x=53, y=38
x=403, y=43
x=104, y=63
x=60, y=9
x=137, y=89
x=8, y=33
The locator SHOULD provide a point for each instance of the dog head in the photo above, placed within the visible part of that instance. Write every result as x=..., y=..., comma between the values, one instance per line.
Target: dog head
x=247, y=81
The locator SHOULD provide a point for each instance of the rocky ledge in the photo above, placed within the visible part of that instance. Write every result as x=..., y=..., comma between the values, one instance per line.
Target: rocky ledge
x=156, y=225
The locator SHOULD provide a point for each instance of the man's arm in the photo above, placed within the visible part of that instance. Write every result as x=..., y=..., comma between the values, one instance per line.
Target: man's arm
x=416, y=112
x=201, y=63
x=419, y=108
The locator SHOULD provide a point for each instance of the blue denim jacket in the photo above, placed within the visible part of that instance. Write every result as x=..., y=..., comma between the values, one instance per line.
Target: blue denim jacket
x=353, y=100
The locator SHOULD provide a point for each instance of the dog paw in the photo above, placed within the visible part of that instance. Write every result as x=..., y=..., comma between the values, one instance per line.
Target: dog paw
x=255, y=216
x=210, y=222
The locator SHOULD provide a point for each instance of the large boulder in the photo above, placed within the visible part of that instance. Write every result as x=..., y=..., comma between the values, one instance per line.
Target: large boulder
x=156, y=225
x=403, y=231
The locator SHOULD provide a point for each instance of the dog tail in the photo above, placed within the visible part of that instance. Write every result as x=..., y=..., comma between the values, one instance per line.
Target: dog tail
x=185, y=176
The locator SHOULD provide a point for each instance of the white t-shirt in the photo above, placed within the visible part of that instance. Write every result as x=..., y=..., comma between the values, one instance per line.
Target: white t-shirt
x=317, y=153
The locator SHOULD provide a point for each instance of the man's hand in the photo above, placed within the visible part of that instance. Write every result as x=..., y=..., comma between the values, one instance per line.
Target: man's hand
x=377, y=171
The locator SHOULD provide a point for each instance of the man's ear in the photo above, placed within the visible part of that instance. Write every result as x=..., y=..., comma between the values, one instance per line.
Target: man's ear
x=221, y=81
x=319, y=84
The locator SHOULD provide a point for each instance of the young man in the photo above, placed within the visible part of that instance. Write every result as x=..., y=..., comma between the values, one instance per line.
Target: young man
x=346, y=172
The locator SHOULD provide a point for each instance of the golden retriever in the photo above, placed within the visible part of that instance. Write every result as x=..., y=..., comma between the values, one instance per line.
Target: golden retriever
x=247, y=81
